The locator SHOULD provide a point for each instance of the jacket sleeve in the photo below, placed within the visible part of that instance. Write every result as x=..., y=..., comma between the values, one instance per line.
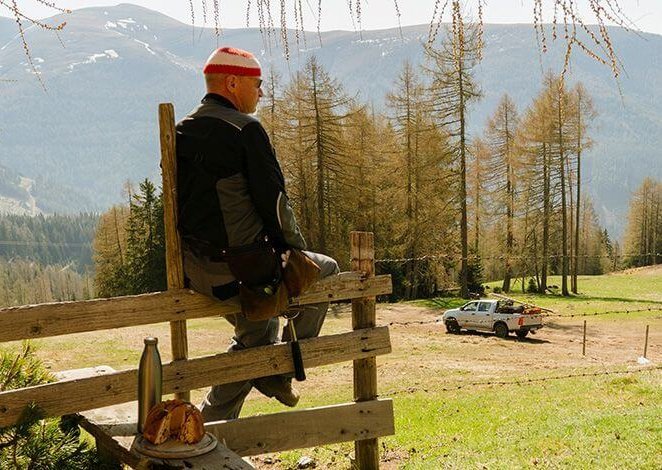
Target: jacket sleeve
x=267, y=187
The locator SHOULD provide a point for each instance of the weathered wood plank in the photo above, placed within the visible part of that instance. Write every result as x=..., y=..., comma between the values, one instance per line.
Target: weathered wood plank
x=173, y=242
x=306, y=428
x=362, y=252
x=345, y=286
x=76, y=395
x=61, y=318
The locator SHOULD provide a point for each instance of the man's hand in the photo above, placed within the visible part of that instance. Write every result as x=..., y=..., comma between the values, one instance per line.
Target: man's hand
x=284, y=258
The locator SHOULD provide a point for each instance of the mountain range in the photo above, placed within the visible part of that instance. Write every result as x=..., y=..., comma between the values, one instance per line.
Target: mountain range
x=71, y=146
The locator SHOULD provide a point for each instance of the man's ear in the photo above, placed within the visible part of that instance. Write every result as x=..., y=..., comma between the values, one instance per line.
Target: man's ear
x=231, y=82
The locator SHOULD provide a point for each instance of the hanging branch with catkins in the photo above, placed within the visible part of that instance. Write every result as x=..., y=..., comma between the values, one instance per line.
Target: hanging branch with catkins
x=22, y=20
x=566, y=20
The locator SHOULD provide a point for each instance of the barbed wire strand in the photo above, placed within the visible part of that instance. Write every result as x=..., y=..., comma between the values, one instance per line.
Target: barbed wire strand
x=506, y=257
x=572, y=315
x=522, y=381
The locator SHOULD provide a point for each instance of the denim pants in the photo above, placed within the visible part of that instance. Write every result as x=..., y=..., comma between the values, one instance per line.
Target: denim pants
x=225, y=401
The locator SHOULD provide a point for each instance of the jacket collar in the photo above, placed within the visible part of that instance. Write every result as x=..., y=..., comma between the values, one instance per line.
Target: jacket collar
x=216, y=98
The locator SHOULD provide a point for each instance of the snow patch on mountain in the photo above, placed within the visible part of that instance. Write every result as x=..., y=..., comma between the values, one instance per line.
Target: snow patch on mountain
x=108, y=53
x=146, y=46
x=27, y=206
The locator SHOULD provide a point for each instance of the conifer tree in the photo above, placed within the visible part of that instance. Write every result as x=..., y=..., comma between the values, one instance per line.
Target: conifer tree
x=500, y=135
x=146, y=241
x=478, y=179
x=584, y=113
x=643, y=238
x=422, y=158
x=319, y=105
x=109, y=253
x=34, y=443
x=453, y=88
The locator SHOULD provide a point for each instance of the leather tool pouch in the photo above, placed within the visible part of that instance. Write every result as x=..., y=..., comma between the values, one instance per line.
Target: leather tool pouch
x=257, y=268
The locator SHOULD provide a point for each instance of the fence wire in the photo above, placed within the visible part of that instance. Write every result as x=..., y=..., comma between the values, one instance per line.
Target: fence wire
x=521, y=381
x=453, y=257
x=554, y=315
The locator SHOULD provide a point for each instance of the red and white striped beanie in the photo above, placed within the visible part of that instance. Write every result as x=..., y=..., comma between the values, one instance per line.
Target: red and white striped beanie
x=233, y=61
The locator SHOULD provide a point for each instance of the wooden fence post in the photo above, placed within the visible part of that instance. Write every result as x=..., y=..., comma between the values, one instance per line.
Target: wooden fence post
x=646, y=343
x=174, y=264
x=362, y=253
x=584, y=341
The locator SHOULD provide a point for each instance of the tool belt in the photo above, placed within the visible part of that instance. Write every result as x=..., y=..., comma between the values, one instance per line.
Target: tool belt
x=264, y=286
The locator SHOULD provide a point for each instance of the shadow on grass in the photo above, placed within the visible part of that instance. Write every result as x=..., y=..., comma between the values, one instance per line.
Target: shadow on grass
x=562, y=327
x=514, y=338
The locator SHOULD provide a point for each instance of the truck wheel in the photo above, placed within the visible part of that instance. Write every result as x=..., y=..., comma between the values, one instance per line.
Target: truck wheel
x=501, y=330
x=521, y=334
x=452, y=326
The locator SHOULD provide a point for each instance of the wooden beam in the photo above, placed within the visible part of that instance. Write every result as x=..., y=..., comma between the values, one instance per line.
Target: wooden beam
x=362, y=254
x=71, y=396
x=173, y=242
x=306, y=428
x=61, y=318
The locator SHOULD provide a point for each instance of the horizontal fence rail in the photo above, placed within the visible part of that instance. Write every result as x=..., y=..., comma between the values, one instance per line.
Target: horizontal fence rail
x=61, y=318
x=302, y=428
x=306, y=428
x=70, y=396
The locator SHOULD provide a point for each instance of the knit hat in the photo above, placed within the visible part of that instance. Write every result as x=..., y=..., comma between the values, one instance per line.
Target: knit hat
x=232, y=61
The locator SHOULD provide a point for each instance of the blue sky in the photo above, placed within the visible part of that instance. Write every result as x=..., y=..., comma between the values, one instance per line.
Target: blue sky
x=377, y=14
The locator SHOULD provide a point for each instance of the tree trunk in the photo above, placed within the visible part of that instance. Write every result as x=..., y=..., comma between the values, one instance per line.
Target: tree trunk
x=564, y=214
x=545, y=221
x=464, y=284
x=321, y=219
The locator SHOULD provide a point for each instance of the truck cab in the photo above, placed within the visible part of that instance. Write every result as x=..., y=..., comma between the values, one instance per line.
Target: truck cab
x=500, y=316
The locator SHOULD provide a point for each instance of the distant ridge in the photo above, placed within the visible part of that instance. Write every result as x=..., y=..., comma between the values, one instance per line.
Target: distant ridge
x=96, y=126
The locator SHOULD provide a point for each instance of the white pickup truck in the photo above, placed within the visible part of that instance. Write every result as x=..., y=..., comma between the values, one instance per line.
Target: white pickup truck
x=499, y=316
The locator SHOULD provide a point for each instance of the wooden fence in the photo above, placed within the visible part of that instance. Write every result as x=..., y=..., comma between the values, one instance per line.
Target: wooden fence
x=362, y=421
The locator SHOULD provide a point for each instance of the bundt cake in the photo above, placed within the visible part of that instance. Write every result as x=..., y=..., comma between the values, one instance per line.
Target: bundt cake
x=174, y=419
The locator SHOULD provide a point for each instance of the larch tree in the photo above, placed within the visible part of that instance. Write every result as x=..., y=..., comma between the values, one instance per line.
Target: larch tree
x=478, y=180
x=536, y=143
x=453, y=88
x=110, y=252
x=643, y=236
x=500, y=135
x=584, y=113
x=423, y=156
x=319, y=105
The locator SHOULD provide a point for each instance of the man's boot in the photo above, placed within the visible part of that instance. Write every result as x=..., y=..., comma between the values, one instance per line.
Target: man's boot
x=278, y=387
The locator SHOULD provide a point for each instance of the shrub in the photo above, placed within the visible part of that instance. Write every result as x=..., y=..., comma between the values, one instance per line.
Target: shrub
x=33, y=442
x=532, y=288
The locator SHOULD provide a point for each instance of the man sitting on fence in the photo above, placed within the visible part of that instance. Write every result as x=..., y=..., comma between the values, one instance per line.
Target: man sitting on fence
x=232, y=196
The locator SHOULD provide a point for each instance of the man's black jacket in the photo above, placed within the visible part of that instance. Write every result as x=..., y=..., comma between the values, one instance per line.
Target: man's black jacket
x=230, y=187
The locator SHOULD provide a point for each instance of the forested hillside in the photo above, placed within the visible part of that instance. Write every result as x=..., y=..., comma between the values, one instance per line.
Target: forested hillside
x=49, y=240
x=46, y=258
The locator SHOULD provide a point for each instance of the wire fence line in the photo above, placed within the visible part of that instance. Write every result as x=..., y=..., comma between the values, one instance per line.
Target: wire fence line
x=573, y=315
x=45, y=244
x=452, y=257
x=521, y=381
